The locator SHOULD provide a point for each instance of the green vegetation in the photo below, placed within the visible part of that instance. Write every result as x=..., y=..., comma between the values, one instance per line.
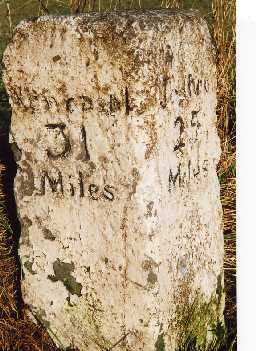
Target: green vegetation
x=63, y=272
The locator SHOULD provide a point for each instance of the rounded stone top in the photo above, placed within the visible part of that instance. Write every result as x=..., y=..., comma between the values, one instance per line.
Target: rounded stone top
x=149, y=15
x=67, y=55
x=115, y=26
x=123, y=21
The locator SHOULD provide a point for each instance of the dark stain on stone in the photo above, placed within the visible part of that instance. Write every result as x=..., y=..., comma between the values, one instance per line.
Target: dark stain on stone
x=103, y=160
x=28, y=155
x=62, y=88
x=56, y=58
x=69, y=302
x=169, y=56
x=160, y=345
x=149, y=209
x=219, y=285
x=149, y=264
x=28, y=266
x=26, y=180
x=90, y=169
x=219, y=288
x=96, y=54
x=87, y=270
x=25, y=224
x=150, y=124
x=41, y=316
x=62, y=272
x=152, y=278
x=136, y=177
x=16, y=152
x=48, y=234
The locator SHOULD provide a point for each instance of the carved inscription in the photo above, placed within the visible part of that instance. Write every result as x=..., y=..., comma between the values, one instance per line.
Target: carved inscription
x=180, y=143
x=60, y=146
x=54, y=183
x=57, y=132
x=73, y=186
x=196, y=86
x=86, y=155
x=183, y=173
x=111, y=103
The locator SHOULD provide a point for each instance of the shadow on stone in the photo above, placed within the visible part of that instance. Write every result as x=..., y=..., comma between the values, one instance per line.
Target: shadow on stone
x=12, y=239
x=26, y=334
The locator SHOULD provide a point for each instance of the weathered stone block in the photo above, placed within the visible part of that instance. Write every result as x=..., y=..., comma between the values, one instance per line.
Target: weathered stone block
x=113, y=128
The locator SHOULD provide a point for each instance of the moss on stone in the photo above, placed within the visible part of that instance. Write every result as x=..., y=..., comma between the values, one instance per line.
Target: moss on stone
x=48, y=234
x=41, y=316
x=160, y=344
x=152, y=278
x=62, y=272
x=202, y=330
x=28, y=265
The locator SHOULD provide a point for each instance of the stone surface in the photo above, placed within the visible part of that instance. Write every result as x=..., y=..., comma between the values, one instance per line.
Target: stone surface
x=113, y=129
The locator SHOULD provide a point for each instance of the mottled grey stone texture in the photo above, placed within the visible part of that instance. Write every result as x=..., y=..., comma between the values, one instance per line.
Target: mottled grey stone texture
x=113, y=128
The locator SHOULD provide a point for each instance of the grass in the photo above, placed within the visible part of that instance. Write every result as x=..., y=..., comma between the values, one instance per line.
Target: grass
x=17, y=332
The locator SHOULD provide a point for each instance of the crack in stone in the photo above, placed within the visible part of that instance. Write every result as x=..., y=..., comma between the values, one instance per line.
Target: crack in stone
x=118, y=342
x=124, y=237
